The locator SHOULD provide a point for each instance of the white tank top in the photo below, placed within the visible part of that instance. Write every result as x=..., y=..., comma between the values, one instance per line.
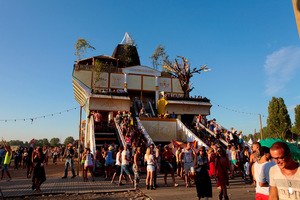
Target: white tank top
x=150, y=160
x=187, y=155
x=88, y=160
x=257, y=174
x=117, y=159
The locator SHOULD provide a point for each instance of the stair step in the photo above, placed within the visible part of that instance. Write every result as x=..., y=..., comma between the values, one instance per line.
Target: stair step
x=101, y=133
x=101, y=139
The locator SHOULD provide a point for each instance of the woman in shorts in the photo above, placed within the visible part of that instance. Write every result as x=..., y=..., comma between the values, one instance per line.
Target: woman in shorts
x=109, y=161
x=88, y=164
x=149, y=158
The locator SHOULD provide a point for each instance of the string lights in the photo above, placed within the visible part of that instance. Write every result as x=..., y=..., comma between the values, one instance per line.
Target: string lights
x=31, y=119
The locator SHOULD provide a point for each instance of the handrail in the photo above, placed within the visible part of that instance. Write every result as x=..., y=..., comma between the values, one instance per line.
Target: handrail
x=190, y=135
x=145, y=133
x=135, y=109
x=212, y=133
x=92, y=138
x=120, y=132
x=150, y=104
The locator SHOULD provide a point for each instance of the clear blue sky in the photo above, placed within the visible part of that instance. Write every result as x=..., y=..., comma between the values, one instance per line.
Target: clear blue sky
x=252, y=47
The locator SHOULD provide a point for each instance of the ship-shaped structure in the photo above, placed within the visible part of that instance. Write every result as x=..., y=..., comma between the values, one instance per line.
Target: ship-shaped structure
x=128, y=86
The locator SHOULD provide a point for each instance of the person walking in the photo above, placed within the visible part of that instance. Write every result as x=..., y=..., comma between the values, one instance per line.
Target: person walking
x=202, y=179
x=118, y=164
x=137, y=162
x=187, y=154
x=109, y=161
x=39, y=175
x=7, y=160
x=149, y=158
x=88, y=164
x=125, y=164
x=285, y=175
x=69, y=154
x=211, y=160
x=167, y=165
x=221, y=173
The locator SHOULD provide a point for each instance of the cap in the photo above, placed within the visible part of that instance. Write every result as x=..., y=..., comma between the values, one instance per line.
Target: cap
x=69, y=145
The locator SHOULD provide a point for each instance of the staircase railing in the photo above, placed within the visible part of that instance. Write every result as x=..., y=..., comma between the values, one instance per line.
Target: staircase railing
x=135, y=108
x=150, y=104
x=145, y=133
x=212, y=133
x=190, y=135
x=120, y=134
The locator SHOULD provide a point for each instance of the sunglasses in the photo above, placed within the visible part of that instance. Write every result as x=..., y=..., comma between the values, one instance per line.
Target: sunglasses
x=280, y=158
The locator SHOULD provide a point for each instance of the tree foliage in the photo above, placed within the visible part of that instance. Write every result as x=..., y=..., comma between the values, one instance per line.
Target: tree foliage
x=54, y=142
x=68, y=140
x=160, y=57
x=99, y=67
x=278, y=122
x=297, y=119
x=183, y=72
x=82, y=46
x=129, y=50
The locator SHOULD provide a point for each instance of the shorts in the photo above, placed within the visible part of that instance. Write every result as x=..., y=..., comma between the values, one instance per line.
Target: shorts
x=260, y=196
x=125, y=169
x=234, y=161
x=188, y=167
x=150, y=168
x=109, y=164
x=118, y=170
x=167, y=166
x=5, y=167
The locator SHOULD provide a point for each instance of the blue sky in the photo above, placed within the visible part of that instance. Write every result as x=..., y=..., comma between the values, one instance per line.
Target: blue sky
x=252, y=47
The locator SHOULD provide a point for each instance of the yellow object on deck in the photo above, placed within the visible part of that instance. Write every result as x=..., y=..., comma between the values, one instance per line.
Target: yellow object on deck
x=161, y=106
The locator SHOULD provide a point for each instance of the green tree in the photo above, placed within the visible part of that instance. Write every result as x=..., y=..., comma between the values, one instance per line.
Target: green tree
x=68, y=140
x=129, y=50
x=278, y=122
x=38, y=143
x=54, y=142
x=99, y=67
x=16, y=143
x=82, y=46
x=45, y=142
x=297, y=120
x=159, y=57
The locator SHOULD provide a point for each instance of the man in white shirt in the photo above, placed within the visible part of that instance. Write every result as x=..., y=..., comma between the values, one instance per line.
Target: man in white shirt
x=188, y=163
x=125, y=164
x=285, y=175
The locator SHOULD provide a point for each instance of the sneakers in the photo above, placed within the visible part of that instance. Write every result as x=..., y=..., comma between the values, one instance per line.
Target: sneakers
x=73, y=176
x=9, y=179
x=63, y=177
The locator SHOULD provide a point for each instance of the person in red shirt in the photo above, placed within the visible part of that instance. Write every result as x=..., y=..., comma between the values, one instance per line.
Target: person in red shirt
x=167, y=165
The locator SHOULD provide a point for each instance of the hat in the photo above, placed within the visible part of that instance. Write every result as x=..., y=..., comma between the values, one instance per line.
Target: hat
x=110, y=148
x=202, y=148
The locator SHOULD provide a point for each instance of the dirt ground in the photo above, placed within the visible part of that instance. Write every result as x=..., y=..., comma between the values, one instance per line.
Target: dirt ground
x=131, y=195
x=57, y=170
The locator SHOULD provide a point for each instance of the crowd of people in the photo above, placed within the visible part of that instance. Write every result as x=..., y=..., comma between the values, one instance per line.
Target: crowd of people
x=265, y=168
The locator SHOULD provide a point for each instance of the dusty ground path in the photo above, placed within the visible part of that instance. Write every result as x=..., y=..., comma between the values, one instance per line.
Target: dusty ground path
x=76, y=189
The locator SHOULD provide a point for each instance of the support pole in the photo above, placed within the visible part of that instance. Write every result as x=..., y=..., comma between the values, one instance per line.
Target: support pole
x=79, y=140
x=261, y=131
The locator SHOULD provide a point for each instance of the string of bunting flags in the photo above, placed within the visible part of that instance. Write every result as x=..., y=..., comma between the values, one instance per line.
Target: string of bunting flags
x=237, y=111
x=241, y=112
x=39, y=117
